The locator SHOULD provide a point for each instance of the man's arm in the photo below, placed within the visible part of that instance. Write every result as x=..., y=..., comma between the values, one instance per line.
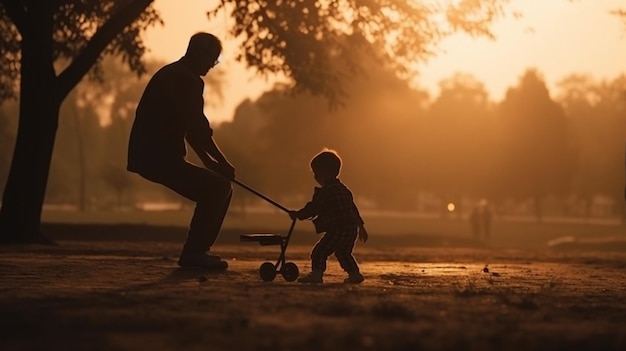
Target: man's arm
x=211, y=156
x=187, y=94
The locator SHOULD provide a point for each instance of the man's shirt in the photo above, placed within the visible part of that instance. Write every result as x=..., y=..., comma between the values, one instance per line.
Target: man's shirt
x=170, y=110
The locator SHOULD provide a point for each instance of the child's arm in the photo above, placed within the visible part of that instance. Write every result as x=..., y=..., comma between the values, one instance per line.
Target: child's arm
x=363, y=235
x=311, y=209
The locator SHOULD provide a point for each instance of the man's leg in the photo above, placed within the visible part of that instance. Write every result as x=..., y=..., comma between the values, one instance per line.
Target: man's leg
x=211, y=193
x=208, y=218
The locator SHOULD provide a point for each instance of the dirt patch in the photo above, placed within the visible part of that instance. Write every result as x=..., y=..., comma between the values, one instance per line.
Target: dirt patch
x=130, y=295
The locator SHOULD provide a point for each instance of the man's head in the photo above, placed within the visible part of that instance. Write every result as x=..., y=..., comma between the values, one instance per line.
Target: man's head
x=203, y=52
x=326, y=166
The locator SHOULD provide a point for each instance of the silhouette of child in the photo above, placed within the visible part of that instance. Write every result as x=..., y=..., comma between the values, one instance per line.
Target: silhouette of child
x=333, y=213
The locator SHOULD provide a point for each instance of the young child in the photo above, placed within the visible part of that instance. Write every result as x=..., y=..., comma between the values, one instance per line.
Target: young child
x=333, y=213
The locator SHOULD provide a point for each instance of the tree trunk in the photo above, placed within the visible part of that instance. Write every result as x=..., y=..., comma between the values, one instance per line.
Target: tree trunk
x=82, y=164
x=41, y=94
x=22, y=202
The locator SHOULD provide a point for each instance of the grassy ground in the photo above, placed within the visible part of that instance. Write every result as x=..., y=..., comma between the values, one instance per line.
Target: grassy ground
x=116, y=286
x=392, y=230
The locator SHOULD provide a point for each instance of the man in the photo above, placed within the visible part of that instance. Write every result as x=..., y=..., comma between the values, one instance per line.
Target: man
x=170, y=111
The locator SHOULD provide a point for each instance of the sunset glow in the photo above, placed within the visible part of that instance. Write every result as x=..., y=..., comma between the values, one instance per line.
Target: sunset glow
x=557, y=37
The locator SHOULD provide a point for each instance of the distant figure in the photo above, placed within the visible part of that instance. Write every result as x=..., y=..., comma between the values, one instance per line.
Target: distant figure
x=333, y=213
x=480, y=220
x=171, y=111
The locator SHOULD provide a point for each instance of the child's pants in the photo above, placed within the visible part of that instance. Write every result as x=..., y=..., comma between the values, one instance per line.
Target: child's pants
x=340, y=243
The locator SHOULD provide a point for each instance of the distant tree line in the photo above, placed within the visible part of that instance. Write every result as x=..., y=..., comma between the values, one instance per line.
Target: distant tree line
x=555, y=152
x=401, y=147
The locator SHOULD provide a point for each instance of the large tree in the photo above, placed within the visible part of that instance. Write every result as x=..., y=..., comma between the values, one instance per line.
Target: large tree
x=36, y=37
x=292, y=37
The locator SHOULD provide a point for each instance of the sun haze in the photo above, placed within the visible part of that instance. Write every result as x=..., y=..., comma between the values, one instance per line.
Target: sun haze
x=557, y=37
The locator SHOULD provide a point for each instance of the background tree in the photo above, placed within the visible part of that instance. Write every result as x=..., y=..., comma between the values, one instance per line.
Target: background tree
x=118, y=94
x=610, y=111
x=461, y=139
x=240, y=140
x=578, y=96
x=539, y=155
x=597, y=111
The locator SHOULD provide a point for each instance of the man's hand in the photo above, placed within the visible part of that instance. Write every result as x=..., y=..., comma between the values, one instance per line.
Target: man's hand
x=224, y=169
x=227, y=170
x=363, y=236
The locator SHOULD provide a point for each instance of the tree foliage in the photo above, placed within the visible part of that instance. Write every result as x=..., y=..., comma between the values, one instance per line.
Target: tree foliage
x=538, y=149
x=621, y=13
x=461, y=137
x=595, y=110
x=318, y=44
x=81, y=33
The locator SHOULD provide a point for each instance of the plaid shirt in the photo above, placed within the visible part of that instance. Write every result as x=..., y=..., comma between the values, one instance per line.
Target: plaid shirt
x=332, y=208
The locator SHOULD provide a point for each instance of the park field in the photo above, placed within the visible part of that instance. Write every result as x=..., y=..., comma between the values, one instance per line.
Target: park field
x=112, y=283
x=386, y=229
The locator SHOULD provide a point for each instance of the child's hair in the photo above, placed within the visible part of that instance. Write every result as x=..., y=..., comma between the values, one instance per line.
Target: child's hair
x=327, y=160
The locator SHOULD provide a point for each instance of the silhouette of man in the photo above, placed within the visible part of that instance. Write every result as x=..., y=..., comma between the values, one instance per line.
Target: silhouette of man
x=170, y=112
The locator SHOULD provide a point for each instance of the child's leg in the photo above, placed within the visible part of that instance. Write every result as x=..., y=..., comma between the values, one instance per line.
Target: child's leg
x=320, y=253
x=344, y=245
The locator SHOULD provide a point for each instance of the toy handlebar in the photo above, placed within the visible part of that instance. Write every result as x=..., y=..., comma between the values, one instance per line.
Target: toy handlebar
x=213, y=167
x=261, y=195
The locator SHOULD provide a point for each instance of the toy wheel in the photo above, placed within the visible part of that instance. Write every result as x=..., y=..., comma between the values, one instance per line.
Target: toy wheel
x=290, y=271
x=267, y=271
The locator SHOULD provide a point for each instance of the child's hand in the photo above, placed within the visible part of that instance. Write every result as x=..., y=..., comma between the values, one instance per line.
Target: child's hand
x=363, y=236
x=293, y=214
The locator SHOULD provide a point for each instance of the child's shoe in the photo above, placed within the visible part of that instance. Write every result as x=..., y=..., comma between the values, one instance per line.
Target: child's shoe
x=312, y=278
x=354, y=278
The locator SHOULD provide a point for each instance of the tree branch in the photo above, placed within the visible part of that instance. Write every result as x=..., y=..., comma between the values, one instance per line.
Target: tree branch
x=83, y=62
x=15, y=10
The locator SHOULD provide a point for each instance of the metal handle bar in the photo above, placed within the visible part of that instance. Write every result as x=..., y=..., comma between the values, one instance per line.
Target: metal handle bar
x=261, y=195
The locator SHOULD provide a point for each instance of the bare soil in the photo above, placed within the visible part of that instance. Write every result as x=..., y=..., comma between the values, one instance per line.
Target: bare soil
x=88, y=293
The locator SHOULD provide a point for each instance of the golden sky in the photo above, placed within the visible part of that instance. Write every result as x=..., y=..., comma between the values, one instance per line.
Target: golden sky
x=558, y=37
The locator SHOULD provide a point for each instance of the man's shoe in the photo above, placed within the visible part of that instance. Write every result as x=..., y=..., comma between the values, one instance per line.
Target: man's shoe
x=355, y=278
x=311, y=278
x=202, y=260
